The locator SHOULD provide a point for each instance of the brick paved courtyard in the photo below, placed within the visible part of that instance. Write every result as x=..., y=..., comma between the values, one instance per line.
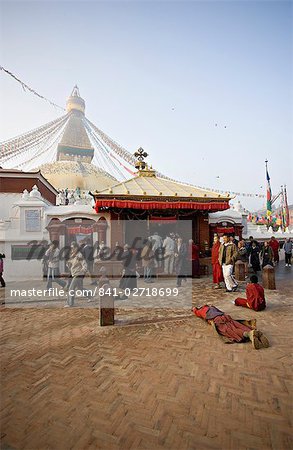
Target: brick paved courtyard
x=159, y=379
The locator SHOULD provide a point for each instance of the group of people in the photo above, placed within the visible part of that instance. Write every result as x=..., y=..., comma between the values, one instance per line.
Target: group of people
x=173, y=254
x=80, y=261
x=76, y=264
x=225, y=255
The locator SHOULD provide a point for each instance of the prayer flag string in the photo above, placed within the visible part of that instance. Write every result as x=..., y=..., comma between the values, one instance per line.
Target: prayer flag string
x=25, y=87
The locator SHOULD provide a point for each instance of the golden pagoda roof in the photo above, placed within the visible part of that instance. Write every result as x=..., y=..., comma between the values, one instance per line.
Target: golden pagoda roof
x=148, y=184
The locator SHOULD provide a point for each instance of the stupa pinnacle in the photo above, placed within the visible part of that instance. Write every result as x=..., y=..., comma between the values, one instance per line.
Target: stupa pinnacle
x=70, y=151
x=75, y=144
x=75, y=102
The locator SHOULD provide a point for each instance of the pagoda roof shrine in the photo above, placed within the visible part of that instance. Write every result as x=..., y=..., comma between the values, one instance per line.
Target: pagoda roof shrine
x=149, y=191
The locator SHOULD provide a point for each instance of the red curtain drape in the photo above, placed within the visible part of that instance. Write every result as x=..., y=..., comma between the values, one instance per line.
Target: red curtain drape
x=79, y=229
x=147, y=205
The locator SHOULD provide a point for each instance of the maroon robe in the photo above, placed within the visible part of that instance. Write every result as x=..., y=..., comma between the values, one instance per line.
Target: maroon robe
x=231, y=330
x=217, y=269
x=255, y=298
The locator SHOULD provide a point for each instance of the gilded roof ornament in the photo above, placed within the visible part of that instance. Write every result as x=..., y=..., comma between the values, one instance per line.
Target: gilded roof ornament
x=141, y=165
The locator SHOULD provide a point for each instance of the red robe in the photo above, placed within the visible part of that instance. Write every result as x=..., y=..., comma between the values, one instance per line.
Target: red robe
x=217, y=269
x=230, y=329
x=274, y=244
x=255, y=297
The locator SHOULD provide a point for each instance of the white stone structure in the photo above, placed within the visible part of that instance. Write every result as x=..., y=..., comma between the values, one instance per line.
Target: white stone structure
x=24, y=218
x=236, y=216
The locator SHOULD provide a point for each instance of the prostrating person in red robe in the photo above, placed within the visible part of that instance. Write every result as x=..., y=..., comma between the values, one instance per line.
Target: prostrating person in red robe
x=193, y=256
x=255, y=296
x=217, y=268
x=275, y=246
x=231, y=330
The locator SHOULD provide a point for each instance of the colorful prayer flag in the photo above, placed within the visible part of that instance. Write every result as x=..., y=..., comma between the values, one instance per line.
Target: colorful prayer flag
x=286, y=208
x=269, y=195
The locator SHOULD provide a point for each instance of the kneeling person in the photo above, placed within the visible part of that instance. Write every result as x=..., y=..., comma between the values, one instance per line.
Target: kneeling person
x=255, y=296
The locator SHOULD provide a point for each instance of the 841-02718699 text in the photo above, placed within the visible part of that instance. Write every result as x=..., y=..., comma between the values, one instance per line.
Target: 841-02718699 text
x=139, y=292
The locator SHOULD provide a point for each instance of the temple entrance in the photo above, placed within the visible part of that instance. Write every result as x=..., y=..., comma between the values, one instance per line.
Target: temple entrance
x=79, y=230
x=140, y=230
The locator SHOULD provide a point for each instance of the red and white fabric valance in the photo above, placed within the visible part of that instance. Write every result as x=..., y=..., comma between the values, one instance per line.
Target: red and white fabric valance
x=152, y=205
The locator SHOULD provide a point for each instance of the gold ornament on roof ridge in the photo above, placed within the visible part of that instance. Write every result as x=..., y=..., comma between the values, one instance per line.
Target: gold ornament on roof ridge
x=141, y=165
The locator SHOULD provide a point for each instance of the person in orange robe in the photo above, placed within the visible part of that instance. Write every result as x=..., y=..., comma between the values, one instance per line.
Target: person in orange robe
x=275, y=246
x=217, y=269
x=231, y=330
x=255, y=296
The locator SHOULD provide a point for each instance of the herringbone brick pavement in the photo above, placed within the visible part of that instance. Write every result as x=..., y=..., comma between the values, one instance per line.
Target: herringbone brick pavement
x=172, y=384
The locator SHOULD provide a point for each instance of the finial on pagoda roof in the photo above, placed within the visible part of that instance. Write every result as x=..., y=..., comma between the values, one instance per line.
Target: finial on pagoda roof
x=141, y=165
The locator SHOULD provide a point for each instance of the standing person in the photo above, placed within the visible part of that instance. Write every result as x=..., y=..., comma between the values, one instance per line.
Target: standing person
x=156, y=240
x=118, y=251
x=227, y=257
x=255, y=296
x=266, y=255
x=249, y=245
x=254, y=257
x=249, y=242
x=234, y=240
x=288, y=246
x=147, y=256
x=243, y=255
x=88, y=254
x=169, y=255
x=217, y=268
x=275, y=246
x=181, y=261
x=88, y=251
x=45, y=263
x=157, y=247
x=2, y=270
x=129, y=277
x=52, y=254
x=102, y=251
x=193, y=258
x=78, y=269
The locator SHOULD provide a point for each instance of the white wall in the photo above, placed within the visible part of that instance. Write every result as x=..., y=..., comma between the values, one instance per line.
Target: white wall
x=6, y=202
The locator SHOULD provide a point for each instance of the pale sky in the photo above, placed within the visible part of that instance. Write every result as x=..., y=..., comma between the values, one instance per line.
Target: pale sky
x=160, y=75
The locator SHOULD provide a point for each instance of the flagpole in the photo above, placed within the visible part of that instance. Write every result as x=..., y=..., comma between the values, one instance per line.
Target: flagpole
x=282, y=207
x=287, y=208
x=267, y=186
x=266, y=163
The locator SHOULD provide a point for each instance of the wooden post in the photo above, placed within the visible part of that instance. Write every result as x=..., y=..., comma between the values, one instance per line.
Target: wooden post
x=107, y=310
x=240, y=270
x=268, y=277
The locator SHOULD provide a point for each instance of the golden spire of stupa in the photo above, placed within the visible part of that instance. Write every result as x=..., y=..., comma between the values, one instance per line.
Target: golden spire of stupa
x=75, y=102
